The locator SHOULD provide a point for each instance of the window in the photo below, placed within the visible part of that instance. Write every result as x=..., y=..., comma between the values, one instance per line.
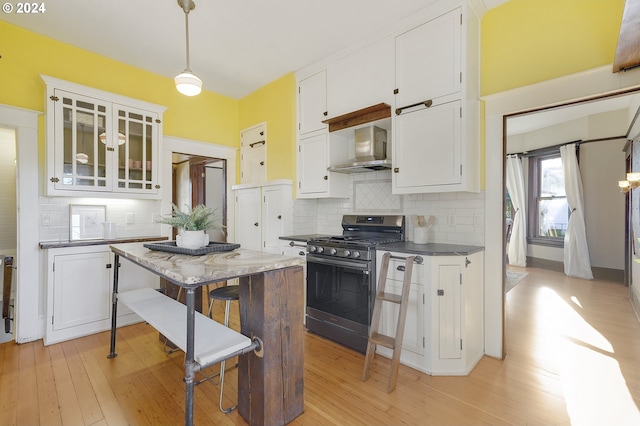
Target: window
x=549, y=213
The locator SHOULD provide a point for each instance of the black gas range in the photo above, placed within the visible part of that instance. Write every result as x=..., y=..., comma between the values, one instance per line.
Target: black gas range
x=341, y=277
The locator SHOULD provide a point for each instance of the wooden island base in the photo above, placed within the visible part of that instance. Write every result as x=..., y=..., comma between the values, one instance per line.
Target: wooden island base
x=271, y=388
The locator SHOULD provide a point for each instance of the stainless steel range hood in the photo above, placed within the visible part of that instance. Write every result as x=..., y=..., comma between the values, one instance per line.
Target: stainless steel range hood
x=370, y=152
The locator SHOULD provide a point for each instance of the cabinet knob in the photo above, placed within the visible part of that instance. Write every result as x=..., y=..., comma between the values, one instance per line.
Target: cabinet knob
x=291, y=244
x=401, y=268
x=262, y=163
x=326, y=177
x=440, y=292
x=54, y=180
x=279, y=216
x=325, y=113
x=255, y=224
x=157, y=186
x=396, y=170
x=302, y=253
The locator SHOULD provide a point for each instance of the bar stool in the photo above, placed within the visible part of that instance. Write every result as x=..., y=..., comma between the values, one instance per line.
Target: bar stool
x=226, y=293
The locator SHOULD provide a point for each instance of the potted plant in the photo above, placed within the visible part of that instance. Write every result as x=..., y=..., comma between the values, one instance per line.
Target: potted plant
x=191, y=225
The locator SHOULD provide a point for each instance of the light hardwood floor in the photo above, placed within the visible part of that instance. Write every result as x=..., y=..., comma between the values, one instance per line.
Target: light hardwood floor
x=573, y=358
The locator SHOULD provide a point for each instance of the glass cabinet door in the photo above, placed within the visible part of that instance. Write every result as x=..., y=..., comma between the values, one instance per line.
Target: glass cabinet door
x=81, y=152
x=137, y=149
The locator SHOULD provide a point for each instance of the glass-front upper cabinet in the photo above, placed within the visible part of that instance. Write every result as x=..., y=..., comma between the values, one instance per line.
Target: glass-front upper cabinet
x=136, y=130
x=82, y=152
x=100, y=142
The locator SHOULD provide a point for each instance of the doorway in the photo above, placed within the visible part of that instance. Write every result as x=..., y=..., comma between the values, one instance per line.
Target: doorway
x=8, y=229
x=602, y=126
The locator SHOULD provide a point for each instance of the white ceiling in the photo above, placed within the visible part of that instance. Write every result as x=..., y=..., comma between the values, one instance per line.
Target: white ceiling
x=236, y=46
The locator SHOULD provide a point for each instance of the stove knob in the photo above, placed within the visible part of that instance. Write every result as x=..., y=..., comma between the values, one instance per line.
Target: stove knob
x=356, y=254
x=312, y=249
x=320, y=249
x=333, y=251
x=347, y=253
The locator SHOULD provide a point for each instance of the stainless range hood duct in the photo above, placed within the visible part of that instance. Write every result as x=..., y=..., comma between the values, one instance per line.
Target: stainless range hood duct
x=370, y=152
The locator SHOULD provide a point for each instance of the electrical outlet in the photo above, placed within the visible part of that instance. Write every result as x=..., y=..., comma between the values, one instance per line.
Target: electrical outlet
x=130, y=219
x=45, y=220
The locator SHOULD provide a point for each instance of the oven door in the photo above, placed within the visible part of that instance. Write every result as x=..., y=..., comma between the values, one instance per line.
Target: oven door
x=341, y=291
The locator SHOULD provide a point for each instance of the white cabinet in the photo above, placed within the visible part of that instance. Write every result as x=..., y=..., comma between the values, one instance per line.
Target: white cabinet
x=361, y=79
x=315, y=154
x=457, y=295
x=297, y=249
x=263, y=214
x=79, y=289
x=253, y=154
x=436, y=126
x=312, y=103
x=100, y=143
x=444, y=326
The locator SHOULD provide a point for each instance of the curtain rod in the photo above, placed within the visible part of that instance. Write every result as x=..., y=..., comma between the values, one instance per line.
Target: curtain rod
x=554, y=147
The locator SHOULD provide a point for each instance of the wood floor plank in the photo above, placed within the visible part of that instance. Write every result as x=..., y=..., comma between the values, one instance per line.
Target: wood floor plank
x=573, y=357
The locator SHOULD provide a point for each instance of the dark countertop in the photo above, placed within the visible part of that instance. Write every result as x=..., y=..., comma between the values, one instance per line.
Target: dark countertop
x=431, y=249
x=304, y=238
x=81, y=243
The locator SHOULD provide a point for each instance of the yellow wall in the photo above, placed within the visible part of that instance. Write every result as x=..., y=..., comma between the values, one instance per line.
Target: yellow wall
x=275, y=103
x=208, y=117
x=529, y=41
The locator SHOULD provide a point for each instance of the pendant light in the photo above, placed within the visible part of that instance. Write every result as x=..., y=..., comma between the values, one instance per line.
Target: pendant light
x=186, y=82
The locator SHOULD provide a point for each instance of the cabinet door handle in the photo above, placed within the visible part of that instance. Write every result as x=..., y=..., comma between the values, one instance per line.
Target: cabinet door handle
x=252, y=145
x=109, y=266
x=401, y=268
x=302, y=253
x=255, y=224
x=291, y=244
x=426, y=103
x=440, y=292
x=54, y=180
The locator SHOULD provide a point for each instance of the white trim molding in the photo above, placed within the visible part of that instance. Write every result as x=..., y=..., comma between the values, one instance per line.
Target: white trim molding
x=584, y=85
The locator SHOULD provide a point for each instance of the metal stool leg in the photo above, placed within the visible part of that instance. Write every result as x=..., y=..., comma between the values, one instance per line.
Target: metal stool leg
x=223, y=363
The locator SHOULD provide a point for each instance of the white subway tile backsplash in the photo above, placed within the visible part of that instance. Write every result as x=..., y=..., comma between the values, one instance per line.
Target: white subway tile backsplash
x=465, y=209
x=143, y=210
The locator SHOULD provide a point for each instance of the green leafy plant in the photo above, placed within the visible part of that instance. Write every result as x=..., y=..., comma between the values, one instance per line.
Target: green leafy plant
x=199, y=218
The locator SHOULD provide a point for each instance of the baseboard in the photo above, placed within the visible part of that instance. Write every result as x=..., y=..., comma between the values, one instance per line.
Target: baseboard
x=605, y=274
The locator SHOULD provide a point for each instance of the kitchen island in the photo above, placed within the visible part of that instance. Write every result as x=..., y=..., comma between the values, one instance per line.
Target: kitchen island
x=270, y=381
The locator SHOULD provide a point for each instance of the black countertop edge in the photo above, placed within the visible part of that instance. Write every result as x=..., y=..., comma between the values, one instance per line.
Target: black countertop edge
x=431, y=249
x=81, y=243
x=304, y=238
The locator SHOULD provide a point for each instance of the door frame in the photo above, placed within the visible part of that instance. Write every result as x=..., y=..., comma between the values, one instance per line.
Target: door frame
x=185, y=146
x=29, y=299
x=591, y=83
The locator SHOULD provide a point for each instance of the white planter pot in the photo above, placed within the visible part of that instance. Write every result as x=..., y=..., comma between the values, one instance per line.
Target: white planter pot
x=192, y=239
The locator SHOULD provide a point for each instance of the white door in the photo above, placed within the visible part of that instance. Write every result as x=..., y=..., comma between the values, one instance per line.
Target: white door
x=428, y=60
x=253, y=154
x=248, y=219
x=430, y=152
x=273, y=218
x=312, y=103
x=82, y=284
x=312, y=165
x=448, y=313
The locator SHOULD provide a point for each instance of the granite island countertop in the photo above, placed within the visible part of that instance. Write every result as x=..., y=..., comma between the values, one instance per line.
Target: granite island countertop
x=185, y=270
x=430, y=249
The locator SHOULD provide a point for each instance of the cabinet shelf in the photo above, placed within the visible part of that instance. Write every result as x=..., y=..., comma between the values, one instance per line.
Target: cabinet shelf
x=361, y=116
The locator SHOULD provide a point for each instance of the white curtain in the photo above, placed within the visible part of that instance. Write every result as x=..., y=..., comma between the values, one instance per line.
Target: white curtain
x=576, y=252
x=517, y=251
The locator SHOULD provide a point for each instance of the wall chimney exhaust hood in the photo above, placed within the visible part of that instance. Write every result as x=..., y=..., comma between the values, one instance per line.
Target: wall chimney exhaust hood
x=370, y=141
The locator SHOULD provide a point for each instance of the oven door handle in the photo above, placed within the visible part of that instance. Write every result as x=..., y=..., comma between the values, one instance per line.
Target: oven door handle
x=361, y=266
